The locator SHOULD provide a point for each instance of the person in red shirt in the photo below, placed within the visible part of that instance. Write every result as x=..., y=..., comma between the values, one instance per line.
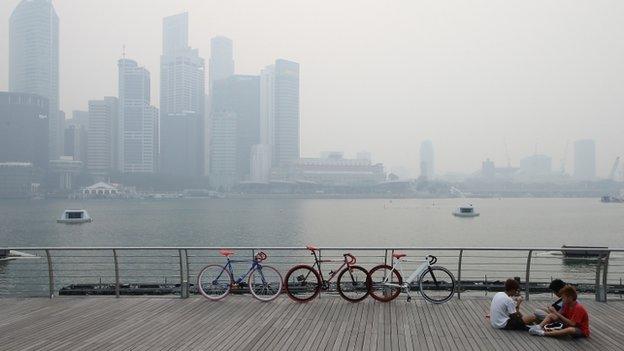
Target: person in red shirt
x=573, y=316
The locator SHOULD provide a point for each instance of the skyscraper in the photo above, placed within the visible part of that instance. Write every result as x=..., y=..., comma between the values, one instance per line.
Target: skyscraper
x=427, y=169
x=138, y=120
x=279, y=111
x=24, y=129
x=103, y=137
x=181, y=101
x=235, y=128
x=34, y=61
x=221, y=60
x=585, y=159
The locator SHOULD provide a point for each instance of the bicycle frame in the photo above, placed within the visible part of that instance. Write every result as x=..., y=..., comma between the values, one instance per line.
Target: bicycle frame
x=228, y=266
x=317, y=263
x=414, y=276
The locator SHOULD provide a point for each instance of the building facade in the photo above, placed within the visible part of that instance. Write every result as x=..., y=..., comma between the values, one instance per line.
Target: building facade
x=34, y=61
x=138, y=120
x=103, y=137
x=427, y=165
x=182, y=103
x=235, y=128
x=286, y=113
x=585, y=160
x=221, y=64
x=24, y=129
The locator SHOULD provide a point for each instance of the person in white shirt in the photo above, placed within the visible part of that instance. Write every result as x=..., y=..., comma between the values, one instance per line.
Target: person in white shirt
x=505, y=309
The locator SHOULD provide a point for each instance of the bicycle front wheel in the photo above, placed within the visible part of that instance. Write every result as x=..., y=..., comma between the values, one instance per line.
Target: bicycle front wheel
x=385, y=283
x=214, y=282
x=437, y=284
x=352, y=284
x=265, y=283
x=302, y=283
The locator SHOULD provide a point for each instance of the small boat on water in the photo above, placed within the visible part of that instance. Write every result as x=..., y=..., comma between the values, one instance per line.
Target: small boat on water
x=74, y=217
x=588, y=251
x=465, y=211
x=612, y=199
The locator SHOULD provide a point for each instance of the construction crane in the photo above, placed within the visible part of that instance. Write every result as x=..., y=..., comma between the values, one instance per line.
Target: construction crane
x=614, y=168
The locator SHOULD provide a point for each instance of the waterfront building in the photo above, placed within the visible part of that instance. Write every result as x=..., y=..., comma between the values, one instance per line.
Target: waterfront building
x=585, y=159
x=181, y=101
x=260, y=163
x=16, y=179
x=138, y=120
x=24, y=129
x=427, y=170
x=66, y=169
x=338, y=171
x=76, y=136
x=103, y=137
x=235, y=128
x=221, y=64
x=34, y=61
x=488, y=169
x=279, y=106
x=364, y=155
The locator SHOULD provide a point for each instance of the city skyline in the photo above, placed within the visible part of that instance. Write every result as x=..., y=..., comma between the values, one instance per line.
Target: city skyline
x=521, y=114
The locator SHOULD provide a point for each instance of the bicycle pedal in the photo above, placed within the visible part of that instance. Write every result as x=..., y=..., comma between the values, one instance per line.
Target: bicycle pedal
x=409, y=298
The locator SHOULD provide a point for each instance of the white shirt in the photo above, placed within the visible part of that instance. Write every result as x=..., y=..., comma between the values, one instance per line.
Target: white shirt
x=500, y=309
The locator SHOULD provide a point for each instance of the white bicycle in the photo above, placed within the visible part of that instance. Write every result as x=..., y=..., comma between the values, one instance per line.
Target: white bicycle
x=435, y=283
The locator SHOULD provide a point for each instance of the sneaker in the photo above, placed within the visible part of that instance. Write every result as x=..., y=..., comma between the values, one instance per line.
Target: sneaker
x=537, y=331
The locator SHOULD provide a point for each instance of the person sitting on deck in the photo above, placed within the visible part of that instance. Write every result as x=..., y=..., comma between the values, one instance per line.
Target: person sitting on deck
x=505, y=308
x=573, y=318
x=555, y=286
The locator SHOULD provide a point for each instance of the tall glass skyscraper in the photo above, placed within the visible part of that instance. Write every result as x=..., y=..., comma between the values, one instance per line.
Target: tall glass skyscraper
x=286, y=113
x=221, y=60
x=138, y=120
x=34, y=60
x=181, y=101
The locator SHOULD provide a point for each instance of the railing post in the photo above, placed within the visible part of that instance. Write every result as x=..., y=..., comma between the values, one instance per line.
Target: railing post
x=605, y=272
x=188, y=273
x=597, y=282
x=459, y=270
x=182, y=277
x=50, y=274
x=116, y=272
x=527, y=278
x=319, y=268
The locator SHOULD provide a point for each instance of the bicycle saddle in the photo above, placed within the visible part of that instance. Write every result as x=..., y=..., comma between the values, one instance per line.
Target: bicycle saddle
x=311, y=248
x=398, y=255
x=226, y=253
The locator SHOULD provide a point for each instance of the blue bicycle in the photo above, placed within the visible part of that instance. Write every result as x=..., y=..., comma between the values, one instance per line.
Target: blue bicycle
x=264, y=282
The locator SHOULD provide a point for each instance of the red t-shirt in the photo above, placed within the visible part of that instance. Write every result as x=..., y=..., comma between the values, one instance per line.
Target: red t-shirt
x=577, y=314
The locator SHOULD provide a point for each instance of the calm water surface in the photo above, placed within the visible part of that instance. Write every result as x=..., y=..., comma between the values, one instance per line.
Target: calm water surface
x=324, y=222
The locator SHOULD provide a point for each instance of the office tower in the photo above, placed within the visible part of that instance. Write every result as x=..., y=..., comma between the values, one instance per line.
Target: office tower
x=279, y=91
x=585, y=159
x=235, y=128
x=34, y=61
x=24, y=129
x=181, y=101
x=138, y=120
x=103, y=137
x=427, y=160
x=76, y=135
x=221, y=60
x=80, y=118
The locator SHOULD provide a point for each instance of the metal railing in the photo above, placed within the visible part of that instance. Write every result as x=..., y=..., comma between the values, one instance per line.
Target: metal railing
x=172, y=270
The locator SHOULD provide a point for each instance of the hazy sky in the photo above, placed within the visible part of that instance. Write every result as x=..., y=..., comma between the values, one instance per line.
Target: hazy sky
x=385, y=75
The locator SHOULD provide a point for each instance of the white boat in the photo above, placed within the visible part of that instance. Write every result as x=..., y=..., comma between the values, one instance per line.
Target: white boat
x=465, y=211
x=74, y=217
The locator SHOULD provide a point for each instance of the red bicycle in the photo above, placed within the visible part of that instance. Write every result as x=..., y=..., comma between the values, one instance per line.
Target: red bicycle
x=303, y=282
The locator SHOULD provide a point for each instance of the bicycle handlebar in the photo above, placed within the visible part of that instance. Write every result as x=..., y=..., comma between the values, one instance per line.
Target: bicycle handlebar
x=432, y=259
x=350, y=258
x=261, y=256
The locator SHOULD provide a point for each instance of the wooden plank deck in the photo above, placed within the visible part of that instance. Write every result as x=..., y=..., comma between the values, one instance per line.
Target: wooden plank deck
x=242, y=323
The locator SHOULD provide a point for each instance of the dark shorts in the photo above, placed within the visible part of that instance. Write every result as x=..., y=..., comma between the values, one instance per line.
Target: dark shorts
x=515, y=322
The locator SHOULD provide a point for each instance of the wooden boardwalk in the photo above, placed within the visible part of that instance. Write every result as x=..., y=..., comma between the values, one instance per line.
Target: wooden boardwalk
x=242, y=323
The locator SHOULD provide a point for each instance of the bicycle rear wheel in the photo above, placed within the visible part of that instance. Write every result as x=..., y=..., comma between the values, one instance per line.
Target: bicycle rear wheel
x=437, y=284
x=214, y=282
x=352, y=284
x=265, y=283
x=380, y=278
x=302, y=283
